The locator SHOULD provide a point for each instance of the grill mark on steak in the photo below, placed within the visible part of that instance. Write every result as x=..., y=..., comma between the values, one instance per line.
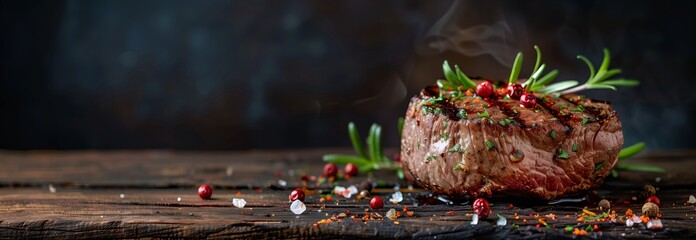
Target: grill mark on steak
x=544, y=103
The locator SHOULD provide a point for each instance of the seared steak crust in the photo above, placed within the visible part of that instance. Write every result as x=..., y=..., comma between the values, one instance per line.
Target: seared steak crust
x=468, y=147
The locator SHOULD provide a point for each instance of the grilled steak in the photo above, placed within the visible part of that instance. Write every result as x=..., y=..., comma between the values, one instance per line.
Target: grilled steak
x=469, y=147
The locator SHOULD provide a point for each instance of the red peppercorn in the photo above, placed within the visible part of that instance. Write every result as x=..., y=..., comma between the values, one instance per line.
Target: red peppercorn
x=528, y=100
x=484, y=89
x=297, y=194
x=351, y=170
x=481, y=208
x=653, y=199
x=376, y=202
x=330, y=170
x=205, y=191
x=515, y=91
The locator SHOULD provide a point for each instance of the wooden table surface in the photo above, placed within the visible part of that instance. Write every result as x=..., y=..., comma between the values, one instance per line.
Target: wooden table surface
x=153, y=194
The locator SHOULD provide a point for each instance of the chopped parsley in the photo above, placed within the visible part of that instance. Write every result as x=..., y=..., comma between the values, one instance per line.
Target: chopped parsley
x=462, y=114
x=431, y=157
x=515, y=111
x=552, y=134
x=459, y=166
x=505, y=121
x=490, y=145
x=536, y=110
x=444, y=135
x=445, y=123
x=484, y=114
x=456, y=148
x=578, y=108
x=574, y=148
x=584, y=121
x=563, y=106
x=425, y=110
x=437, y=111
x=562, y=154
x=599, y=165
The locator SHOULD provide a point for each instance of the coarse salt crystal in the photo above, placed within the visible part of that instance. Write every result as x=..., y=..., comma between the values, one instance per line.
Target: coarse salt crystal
x=239, y=202
x=353, y=189
x=654, y=224
x=692, y=199
x=391, y=214
x=474, y=219
x=501, y=221
x=229, y=171
x=51, y=188
x=178, y=199
x=282, y=183
x=629, y=223
x=122, y=195
x=298, y=207
x=396, y=197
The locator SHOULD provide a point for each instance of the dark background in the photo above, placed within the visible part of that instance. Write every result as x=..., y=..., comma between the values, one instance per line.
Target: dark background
x=277, y=74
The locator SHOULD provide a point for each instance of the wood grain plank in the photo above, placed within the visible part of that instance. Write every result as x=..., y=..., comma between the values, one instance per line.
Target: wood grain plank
x=87, y=202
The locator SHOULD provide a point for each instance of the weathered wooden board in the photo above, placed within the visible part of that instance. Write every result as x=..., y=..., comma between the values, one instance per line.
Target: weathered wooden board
x=87, y=201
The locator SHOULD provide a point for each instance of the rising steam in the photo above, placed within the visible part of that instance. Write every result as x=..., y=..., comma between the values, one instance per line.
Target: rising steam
x=471, y=29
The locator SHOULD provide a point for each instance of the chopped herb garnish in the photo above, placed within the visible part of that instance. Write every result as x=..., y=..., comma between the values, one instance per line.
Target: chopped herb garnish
x=562, y=154
x=484, y=114
x=490, y=144
x=536, y=110
x=459, y=166
x=584, y=121
x=444, y=135
x=578, y=108
x=462, y=114
x=563, y=106
x=552, y=134
x=425, y=110
x=505, y=121
x=455, y=148
x=574, y=148
x=431, y=157
x=554, y=119
x=599, y=165
x=445, y=123
x=485, y=105
x=437, y=111
x=515, y=111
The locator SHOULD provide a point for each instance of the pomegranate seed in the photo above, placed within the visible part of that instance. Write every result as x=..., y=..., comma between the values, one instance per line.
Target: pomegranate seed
x=296, y=194
x=351, y=170
x=653, y=199
x=528, y=100
x=484, y=89
x=481, y=208
x=515, y=91
x=376, y=202
x=330, y=170
x=205, y=191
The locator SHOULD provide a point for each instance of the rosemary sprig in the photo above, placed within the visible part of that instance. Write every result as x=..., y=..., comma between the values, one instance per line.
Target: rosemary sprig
x=599, y=78
x=630, y=152
x=454, y=79
x=536, y=80
x=366, y=161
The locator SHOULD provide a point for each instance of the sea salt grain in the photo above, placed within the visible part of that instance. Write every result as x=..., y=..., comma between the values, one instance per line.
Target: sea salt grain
x=238, y=202
x=501, y=221
x=474, y=219
x=282, y=183
x=655, y=224
x=629, y=223
x=51, y=188
x=178, y=199
x=391, y=214
x=396, y=197
x=122, y=195
x=692, y=199
x=298, y=207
